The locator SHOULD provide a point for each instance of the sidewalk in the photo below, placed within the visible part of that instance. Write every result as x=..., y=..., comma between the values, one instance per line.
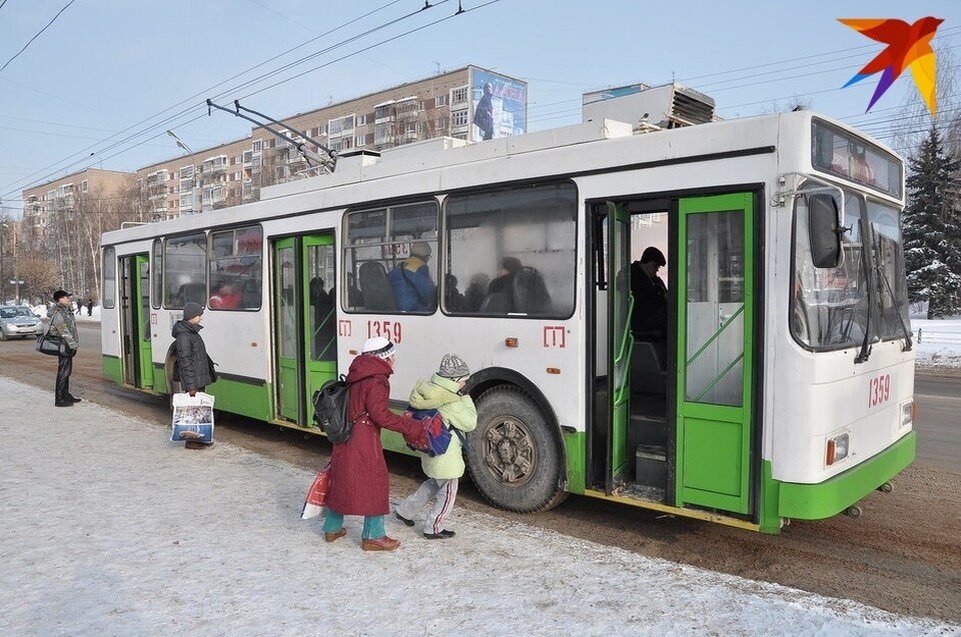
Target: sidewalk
x=108, y=528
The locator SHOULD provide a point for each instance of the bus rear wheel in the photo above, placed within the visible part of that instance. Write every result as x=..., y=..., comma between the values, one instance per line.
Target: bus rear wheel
x=514, y=457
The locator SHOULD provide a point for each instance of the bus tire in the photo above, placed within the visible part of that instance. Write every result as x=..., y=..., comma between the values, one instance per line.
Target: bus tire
x=515, y=458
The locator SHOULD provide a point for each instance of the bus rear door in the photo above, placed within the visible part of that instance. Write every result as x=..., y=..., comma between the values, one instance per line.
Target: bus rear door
x=135, y=321
x=305, y=343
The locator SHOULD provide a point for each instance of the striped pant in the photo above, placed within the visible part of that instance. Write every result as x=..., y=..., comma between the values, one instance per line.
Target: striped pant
x=445, y=491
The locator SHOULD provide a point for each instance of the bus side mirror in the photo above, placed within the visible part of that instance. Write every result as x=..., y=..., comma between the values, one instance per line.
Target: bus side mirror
x=824, y=228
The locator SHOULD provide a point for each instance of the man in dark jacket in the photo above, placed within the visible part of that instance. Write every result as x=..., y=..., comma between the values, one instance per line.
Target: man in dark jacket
x=649, y=320
x=194, y=369
x=63, y=326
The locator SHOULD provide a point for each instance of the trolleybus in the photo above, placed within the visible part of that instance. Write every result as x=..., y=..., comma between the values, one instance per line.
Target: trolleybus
x=775, y=384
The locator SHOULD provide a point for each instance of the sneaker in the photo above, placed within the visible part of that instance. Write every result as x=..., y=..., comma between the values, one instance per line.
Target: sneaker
x=334, y=536
x=381, y=544
x=443, y=535
x=403, y=519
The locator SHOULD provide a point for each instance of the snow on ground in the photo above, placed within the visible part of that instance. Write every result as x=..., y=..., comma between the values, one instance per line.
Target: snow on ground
x=108, y=528
x=41, y=311
x=939, y=343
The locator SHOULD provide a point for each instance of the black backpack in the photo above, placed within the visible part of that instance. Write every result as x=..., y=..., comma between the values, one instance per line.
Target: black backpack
x=330, y=410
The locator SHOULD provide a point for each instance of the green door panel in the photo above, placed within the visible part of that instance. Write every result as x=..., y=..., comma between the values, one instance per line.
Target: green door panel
x=715, y=341
x=142, y=320
x=305, y=343
x=320, y=317
x=286, y=314
x=621, y=341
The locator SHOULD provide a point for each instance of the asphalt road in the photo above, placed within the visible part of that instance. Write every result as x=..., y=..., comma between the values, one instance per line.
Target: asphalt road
x=939, y=420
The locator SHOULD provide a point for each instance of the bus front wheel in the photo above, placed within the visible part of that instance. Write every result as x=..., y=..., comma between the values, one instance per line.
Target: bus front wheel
x=514, y=457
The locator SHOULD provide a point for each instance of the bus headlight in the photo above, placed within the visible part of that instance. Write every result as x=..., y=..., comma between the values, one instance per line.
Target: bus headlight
x=837, y=449
x=907, y=413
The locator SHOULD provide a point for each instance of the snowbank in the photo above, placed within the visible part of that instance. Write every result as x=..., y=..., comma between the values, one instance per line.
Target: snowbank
x=937, y=342
x=110, y=529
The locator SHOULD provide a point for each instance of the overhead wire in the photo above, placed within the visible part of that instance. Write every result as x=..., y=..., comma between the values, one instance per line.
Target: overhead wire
x=192, y=97
x=37, y=35
x=154, y=126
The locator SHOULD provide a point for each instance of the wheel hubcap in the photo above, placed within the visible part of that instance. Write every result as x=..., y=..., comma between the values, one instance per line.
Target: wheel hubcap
x=509, y=452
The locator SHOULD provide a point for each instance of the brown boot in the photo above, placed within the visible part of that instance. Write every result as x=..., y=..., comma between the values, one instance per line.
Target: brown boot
x=193, y=444
x=380, y=544
x=336, y=535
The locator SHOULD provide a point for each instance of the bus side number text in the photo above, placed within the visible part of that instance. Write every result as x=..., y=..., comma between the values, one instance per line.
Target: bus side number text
x=388, y=329
x=879, y=390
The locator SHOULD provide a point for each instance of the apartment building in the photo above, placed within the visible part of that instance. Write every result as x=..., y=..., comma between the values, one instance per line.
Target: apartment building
x=442, y=105
x=92, y=186
x=234, y=172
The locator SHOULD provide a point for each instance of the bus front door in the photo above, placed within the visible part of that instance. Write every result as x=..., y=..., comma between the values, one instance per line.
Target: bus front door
x=304, y=323
x=135, y=327
x=714, y=351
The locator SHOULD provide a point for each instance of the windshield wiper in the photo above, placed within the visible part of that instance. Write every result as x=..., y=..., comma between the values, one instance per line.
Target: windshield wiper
x=865, y=352
x=907, y=333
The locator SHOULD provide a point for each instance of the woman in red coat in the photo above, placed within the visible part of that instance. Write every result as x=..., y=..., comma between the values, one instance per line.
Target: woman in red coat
x=359, y=483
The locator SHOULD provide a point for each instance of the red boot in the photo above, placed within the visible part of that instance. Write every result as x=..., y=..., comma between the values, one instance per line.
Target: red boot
x=380, y=544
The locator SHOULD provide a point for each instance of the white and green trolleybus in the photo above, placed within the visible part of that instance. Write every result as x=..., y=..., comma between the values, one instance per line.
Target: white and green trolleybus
x=778, y=386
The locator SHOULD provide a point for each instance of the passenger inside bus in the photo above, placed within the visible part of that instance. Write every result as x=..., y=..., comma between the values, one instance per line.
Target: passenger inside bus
x=453, y=299
x=649, y=319
x=226, y=298
x=414, y=289
x=518, y=289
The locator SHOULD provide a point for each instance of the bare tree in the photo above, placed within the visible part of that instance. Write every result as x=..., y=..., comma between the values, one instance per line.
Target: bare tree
x=40, y=275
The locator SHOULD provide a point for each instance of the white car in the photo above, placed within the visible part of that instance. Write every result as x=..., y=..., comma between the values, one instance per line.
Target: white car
x=19, y=321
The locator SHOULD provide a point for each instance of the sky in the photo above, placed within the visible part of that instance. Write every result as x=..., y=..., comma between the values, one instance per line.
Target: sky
x=107, y=66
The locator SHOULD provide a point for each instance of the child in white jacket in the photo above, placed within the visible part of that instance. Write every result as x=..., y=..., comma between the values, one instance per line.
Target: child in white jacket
x=441, y=392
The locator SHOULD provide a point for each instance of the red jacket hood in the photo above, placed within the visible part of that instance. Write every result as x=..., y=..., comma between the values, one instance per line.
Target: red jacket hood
x=365, y=366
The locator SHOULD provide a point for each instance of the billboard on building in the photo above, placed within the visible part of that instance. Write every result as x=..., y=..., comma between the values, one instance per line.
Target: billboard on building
x=498, y=105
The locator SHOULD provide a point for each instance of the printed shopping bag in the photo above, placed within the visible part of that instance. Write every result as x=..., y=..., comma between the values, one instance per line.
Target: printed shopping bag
x=193, y=418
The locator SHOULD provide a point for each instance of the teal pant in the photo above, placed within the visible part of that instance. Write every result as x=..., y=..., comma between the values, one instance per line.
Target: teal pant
x=373, y=524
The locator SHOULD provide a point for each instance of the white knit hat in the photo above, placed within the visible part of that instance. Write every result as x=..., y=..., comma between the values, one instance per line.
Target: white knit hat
x=378, y=346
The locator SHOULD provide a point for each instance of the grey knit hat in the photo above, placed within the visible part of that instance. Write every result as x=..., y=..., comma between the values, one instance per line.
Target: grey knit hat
x=192, y=310
x=453, y=366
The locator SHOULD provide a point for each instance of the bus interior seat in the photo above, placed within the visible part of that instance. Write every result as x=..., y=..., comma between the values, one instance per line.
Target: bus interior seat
x=496, y=303
x=475, y=293
x=530, y=293
x=376, y=288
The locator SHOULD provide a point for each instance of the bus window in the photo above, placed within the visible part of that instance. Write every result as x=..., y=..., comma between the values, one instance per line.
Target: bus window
x=236, y=269
x=387, y=254
x=185, y=265
x=512, y=252
x=830, y=305
x=109, y=277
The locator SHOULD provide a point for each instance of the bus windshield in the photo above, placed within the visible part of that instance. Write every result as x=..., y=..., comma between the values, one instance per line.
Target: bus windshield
x=830, y=305
x=888, y=252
